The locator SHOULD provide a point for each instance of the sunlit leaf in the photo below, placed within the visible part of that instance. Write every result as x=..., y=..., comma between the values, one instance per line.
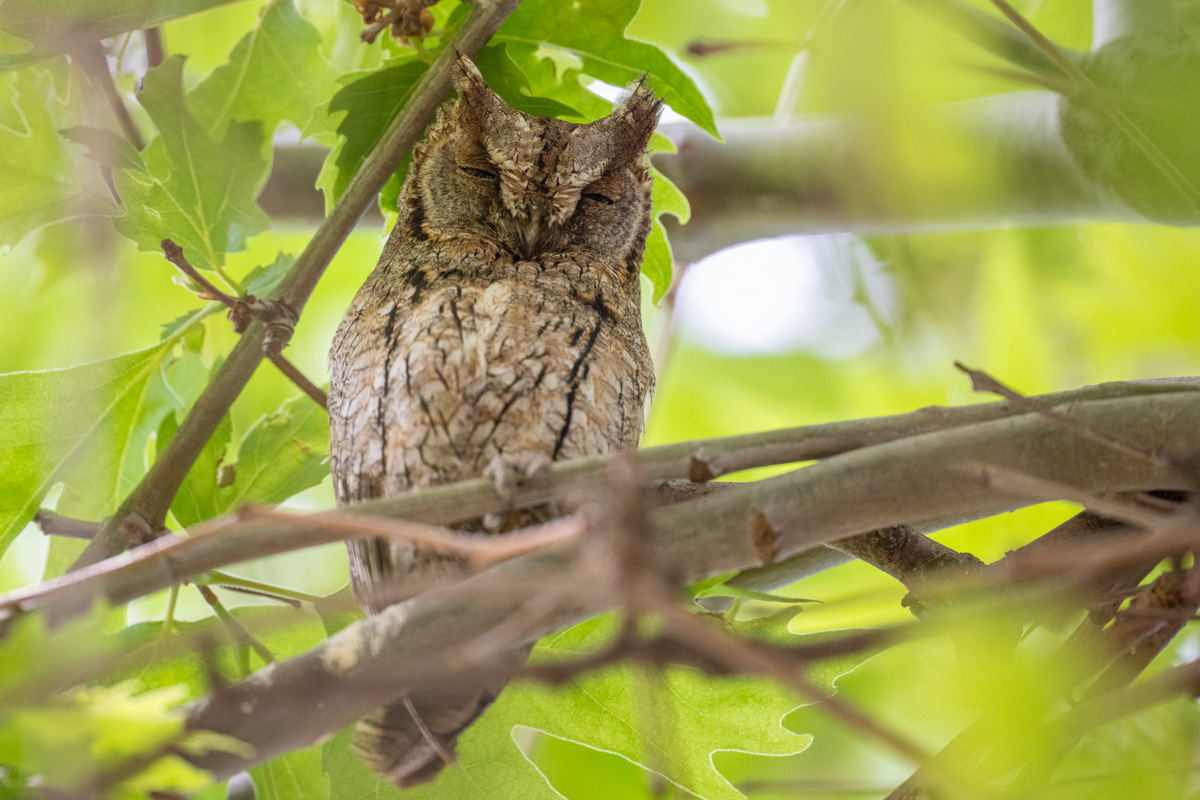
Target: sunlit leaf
x=295, y=776
x=199, y=191
x=82, y=425
x=280, y=455
x=594, y=31
x=47, y=23
x=41, y=184
x=275, y=73
x=360, y=112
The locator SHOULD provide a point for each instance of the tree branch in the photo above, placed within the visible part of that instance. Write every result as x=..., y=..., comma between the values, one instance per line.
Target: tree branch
x=152, y=497
x=370, y=662
x=277, y=316
x=160, y=564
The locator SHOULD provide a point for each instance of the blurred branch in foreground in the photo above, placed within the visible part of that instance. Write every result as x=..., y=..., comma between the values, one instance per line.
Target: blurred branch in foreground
x=835, y=173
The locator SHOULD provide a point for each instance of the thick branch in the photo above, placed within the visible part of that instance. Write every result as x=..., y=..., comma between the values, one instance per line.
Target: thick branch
x=300, y=700
x=152, y=496
x=161, y=564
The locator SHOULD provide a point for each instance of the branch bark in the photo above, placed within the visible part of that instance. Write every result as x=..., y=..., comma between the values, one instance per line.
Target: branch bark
x=298, y=701
x=163, y=563
x=152, y=497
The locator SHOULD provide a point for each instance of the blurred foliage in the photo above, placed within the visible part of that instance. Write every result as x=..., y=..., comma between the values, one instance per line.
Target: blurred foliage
x=102, y=353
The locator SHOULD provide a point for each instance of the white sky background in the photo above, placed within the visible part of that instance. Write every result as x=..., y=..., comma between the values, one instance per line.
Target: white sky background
x=797, y=293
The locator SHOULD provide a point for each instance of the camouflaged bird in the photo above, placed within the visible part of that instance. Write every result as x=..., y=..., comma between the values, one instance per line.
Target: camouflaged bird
x=500, y=330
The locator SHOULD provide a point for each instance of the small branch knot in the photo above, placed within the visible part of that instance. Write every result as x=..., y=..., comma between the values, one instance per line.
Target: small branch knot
x=281, y=320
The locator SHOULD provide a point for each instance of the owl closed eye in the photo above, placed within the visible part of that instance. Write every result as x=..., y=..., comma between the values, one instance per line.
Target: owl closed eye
x=537, y=185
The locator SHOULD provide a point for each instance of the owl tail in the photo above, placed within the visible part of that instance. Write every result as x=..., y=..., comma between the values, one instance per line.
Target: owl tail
x=411, y=740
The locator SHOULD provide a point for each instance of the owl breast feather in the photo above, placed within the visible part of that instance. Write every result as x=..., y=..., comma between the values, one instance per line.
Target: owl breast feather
x=450, y=375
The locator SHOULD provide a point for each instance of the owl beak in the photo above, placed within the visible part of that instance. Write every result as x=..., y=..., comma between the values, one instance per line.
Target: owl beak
x=531, y=235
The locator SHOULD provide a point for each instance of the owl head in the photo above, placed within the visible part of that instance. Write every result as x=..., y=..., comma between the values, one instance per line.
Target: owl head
x=534, y=185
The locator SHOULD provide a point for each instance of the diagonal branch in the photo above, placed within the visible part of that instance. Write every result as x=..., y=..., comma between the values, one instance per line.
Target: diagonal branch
x=151, y=499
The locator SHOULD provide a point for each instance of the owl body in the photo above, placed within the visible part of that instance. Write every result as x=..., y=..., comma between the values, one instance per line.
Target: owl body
x=450, y=358
x=502, y=324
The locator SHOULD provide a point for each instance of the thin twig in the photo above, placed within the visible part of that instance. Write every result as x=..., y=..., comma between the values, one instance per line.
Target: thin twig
x=983, y=382
x=433, y=741
x=300, y=379
x=54, y=524
x=95, y=62
x=241, y=309
x=240, y=634
x=174, y=253
x=480, y=549
x=372, y=31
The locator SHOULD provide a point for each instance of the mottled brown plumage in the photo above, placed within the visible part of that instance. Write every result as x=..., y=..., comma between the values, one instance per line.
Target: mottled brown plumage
x=502, y=326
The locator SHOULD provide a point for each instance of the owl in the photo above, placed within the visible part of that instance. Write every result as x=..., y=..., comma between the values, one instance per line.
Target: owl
x=500, y=331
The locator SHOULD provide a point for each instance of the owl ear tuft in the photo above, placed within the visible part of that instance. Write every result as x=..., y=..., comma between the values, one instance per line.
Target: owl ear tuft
x=476, y=98
x=635, y=117
x=466, y=76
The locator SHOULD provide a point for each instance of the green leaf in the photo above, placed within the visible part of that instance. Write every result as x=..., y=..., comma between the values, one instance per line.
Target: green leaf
x=105, y=147
x=41, y=184
x=68, y=738
x=198, y=496
x=189, y=321
x=295, y=776
x=85, y=425
x=275, y=73
x=672, y=725
x=594, y=31
x=353, y=779
x=510, y=82
x=169, y=774
x=658, y=262
x=42, y=22
x=554, y=74
x=30, y=650
x=280, y=455
x=171, y=387
x=153, y=661
x=199, y=191
x=750, y=594
x=263, y=279
x=360, y=112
